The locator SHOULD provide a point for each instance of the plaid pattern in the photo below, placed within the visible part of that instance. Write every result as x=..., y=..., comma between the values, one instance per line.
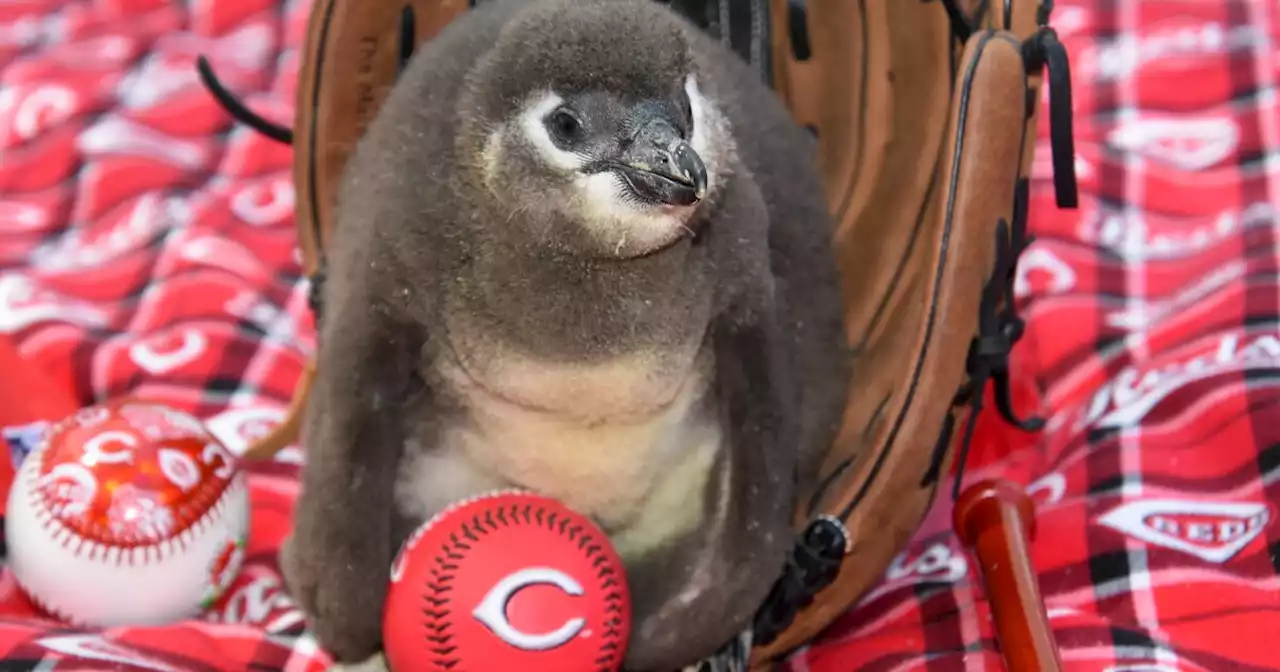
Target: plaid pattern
x=1153, y=346
x=147, y=247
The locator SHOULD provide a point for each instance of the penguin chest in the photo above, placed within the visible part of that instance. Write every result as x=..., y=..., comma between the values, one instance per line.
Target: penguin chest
x=631, y=443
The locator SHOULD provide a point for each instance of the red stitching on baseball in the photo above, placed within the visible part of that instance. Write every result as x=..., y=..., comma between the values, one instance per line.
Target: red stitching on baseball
x=86, y=547
x=157, y=433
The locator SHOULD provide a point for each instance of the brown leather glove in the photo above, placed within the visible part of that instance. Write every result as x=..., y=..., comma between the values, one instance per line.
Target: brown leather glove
x=925, y=114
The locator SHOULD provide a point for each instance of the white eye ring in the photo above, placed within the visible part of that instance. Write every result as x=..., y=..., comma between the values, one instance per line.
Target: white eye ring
x=534, y=123
x=706, y=126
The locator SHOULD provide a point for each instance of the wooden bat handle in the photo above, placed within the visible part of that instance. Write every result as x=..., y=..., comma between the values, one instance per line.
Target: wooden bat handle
x=994, y=519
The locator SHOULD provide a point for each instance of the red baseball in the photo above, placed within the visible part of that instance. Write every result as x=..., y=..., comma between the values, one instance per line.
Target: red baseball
x=507, y=581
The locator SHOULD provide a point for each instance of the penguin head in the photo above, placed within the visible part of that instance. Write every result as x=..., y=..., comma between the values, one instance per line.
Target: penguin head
x=592, y=122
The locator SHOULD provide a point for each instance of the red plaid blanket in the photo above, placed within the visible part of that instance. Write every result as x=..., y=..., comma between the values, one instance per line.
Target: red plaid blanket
x=147, y=247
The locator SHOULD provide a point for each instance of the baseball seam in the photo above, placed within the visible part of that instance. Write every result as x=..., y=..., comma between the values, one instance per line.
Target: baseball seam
x=436, y=599
x=82, y=547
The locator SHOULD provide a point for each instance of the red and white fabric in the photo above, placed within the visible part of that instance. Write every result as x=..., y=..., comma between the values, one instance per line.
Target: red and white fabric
x=147, y=247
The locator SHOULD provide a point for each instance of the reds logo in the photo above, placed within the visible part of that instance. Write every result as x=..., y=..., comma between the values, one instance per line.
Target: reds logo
x=1186, y=144
x=492, y=610
x=28, y=111
x=1212, y=531
x=511, y=581
x=100, y=648
x=1134, y=392
x=165, y=352
x=1040, y=271
x=264, y=203
x=23, y=303
x=99, y=448
x=1048, y=490
x=260, y=602
x=937, y=563
x=70, y=489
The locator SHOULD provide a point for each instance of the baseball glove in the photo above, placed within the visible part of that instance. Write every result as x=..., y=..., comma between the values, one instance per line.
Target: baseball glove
x=925, y=112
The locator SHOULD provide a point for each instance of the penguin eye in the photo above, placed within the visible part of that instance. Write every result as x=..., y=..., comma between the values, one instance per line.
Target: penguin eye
x=565, y=126
x=686, y=106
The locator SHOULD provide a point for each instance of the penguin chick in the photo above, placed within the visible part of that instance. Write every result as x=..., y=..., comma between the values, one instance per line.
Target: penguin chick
x=581, y=250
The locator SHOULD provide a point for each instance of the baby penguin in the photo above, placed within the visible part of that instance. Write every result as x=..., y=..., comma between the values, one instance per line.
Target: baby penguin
x=581, y=250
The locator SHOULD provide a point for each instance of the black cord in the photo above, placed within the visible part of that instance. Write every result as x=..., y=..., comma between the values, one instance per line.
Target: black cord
x=237, y=109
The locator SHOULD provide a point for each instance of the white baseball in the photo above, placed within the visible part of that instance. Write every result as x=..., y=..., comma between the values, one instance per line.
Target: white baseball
x=128, y=513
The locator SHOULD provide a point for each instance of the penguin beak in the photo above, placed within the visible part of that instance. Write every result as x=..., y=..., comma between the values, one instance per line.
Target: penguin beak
x=660, y=166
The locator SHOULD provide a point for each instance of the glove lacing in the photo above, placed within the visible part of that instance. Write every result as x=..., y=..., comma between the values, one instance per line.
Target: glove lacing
x=819, y=551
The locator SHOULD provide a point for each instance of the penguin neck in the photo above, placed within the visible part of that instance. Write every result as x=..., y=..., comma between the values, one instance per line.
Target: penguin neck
x=560, y=306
